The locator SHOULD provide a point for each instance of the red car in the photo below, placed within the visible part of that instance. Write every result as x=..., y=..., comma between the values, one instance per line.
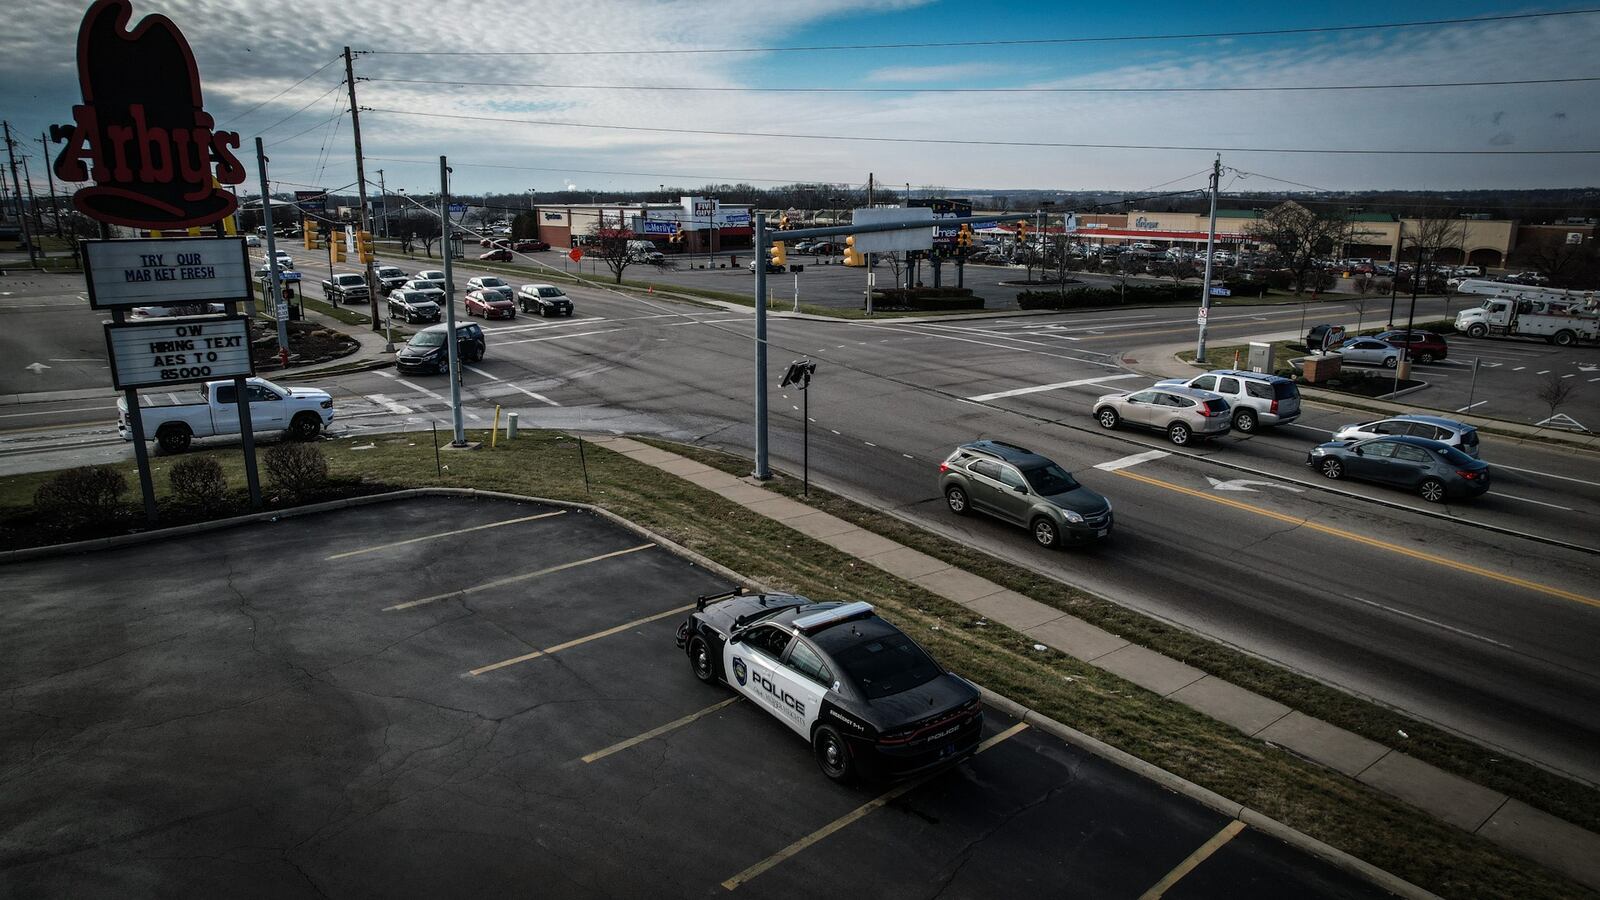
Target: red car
x=1425, y=345
x=490, y=305
x=499, y=254
x=485, y=243
x=530, y=246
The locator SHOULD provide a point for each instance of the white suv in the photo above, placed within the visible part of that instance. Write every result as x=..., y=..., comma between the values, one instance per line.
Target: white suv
x=1257, y=399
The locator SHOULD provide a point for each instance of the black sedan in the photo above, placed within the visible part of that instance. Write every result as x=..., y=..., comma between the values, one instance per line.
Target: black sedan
x=871, y=702
x=1434, y=470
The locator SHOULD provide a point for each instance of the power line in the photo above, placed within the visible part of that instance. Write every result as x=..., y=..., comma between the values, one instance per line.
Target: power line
x=302, y=109
x=1020, y=42
x=973, y=142
x=987, y=90
x=713, y=179
x=319, y=124
x=314, y=73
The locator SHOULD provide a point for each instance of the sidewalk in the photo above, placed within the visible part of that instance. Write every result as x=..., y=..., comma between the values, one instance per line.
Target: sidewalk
x=1163, y=362
x=1473, y=808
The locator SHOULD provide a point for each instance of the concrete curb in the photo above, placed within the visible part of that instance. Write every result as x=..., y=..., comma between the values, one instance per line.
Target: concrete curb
x=1209, y=799
x=1404, y=391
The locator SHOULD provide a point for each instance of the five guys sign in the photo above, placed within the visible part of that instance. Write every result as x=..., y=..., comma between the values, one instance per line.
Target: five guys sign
x=140, y=133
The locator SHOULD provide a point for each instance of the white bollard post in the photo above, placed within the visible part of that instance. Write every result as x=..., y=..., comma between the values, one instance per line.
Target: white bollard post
x=511, y=425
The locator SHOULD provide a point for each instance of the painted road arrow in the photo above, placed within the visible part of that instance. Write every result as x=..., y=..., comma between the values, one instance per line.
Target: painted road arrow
x=1248, y=486
x=36, y=368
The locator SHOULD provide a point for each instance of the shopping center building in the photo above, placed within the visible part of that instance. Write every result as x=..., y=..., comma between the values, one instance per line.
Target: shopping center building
x=706, y=225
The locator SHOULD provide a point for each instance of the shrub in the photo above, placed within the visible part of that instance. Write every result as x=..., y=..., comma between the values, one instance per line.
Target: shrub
x=929, y=298
x=1134, y=294
x=296, y=468
x=84, y=493
x=198, y=482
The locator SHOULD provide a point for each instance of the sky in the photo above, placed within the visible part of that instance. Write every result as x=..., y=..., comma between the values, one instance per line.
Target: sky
x=507, y=138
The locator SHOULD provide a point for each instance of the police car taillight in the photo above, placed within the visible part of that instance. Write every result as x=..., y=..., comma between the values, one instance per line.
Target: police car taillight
x=814, y=621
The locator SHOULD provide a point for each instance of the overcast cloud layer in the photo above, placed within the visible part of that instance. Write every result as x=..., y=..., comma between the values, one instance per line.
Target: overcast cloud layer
x=248, y=52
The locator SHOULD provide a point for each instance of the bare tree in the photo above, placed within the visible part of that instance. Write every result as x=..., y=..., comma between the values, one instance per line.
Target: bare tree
x=1553, y=392
x=427, y=229
x=1567, y=263
x=1300, y=235
x=608, y=242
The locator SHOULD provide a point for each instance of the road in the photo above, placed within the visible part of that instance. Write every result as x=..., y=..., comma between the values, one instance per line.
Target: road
x=1480, y=631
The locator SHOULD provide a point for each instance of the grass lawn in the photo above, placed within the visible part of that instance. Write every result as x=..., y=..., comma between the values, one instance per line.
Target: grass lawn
x=1324, y=804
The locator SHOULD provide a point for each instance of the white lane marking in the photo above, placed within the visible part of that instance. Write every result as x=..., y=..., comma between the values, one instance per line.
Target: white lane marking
x=908, y=456
x=869, y=443
x=1134, y=460
x=384, y=374
x=1471, y=405
x=1526, y=500
x=557, y=337
x=830, y=429
x=422, y=390
x=398, y=409
x=1542, y=372
x=1573, y=375
x=476, y=370
x=1546, y=474
x=540, y=326
x=1012, y=348
x=1016, y=392
x=1308, y=428
x=534, y=394
x=1435, y=623
x=1519, y=368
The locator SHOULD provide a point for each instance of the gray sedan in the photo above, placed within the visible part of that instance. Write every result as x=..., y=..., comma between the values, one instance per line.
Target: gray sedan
x=1370, y=352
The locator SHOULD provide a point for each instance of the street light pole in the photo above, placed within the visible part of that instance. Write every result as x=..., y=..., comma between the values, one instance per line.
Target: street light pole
x=1205, y=284
x=450, y=342
x=763, y=471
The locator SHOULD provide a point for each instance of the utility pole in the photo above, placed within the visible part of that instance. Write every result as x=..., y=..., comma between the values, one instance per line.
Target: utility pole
x=55, y=212
x=871, y=272
x=763, y=471
x=27, y=180
x=361, y=181
x=22, y=216
x=451, y=343
x=280, y=310
x=383, y=195
x=1205, y=284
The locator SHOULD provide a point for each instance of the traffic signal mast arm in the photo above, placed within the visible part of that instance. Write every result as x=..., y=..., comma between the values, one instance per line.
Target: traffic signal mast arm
x=832, y=230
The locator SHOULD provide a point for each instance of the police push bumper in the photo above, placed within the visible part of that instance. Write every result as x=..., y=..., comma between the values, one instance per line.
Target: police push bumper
x=870, y=701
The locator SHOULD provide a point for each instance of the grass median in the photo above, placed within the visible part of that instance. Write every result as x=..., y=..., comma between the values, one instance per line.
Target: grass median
x=1324, y=804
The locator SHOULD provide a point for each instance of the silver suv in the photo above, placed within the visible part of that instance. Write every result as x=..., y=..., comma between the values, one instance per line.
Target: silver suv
x=1257, y=400
x=1016, y=485
x=1182, y=412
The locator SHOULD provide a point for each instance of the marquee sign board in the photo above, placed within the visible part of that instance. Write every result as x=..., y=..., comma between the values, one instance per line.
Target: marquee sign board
x=181, y=351
x=166, y=271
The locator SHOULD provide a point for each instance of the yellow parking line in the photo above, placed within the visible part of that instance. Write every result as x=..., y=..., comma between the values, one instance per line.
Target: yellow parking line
x=658, y=731
x=1368, y=541
x=445, y=534
x=576, y=641
x=501, y=582
x=1194, y=859
x=851, y=816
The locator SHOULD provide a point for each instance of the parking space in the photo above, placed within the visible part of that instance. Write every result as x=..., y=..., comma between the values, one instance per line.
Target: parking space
x=446, y=696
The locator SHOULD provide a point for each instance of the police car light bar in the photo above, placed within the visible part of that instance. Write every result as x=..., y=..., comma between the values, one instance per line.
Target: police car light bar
x=808, y=624
x=704, y=599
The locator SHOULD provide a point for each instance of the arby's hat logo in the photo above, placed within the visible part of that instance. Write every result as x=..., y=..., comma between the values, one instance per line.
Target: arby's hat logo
x=141, y=134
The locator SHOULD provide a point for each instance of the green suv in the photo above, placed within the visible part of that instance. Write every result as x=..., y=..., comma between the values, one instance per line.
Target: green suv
x=1016, y=485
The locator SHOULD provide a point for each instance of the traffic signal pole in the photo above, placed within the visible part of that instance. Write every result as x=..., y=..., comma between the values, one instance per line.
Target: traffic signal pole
x=361, y=188
x=763, y=470
x=451, y=343
x=1205, y=284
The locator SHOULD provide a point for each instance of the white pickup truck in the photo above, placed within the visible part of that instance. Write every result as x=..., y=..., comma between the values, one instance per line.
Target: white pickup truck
x=213, y=410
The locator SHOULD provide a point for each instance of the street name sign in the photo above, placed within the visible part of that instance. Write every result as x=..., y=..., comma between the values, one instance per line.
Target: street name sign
x=166, y=271
x=178, y=352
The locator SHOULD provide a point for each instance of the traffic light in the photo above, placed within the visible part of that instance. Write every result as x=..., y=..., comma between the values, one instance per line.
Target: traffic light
x=677, y=237
x=1022, y=233
x=308, y=230
x=335, y=248
x=783, y=222
x=964, y=237
x=852, y=256
x=780, y=258
x=364, y=244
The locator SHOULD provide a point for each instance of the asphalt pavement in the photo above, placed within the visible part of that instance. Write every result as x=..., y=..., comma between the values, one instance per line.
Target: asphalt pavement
x=1478, y=631
x=500, y=708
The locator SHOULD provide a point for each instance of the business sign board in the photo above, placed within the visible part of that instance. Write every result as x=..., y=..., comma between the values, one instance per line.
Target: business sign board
x=166, y=271
x=141, y=133
x=312, y=203
x=700, y=207
x=652, y=226
x=178, y=352
x=735, y=219
x=893, y=241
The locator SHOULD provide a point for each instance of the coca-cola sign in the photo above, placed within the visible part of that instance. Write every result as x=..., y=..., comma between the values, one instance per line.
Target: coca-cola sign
x=141, y=134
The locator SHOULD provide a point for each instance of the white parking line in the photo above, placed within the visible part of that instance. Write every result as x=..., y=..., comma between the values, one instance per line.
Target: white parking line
x=1471, y=405
x=1134, y=460
x=1017, y=392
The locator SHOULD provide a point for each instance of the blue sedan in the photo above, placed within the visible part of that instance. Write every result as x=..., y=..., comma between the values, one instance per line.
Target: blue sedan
x=1435, y=470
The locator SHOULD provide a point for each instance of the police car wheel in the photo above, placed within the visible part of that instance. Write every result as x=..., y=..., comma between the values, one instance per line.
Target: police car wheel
x=832, y=755
x=700, y=660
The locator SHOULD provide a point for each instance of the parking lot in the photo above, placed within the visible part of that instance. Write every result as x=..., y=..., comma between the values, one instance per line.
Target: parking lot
x=444, y=696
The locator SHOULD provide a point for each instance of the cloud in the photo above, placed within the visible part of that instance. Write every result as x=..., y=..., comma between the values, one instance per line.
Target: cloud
x=953, y=72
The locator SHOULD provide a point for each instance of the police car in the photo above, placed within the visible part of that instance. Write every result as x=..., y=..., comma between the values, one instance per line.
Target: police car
x=871, y=702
